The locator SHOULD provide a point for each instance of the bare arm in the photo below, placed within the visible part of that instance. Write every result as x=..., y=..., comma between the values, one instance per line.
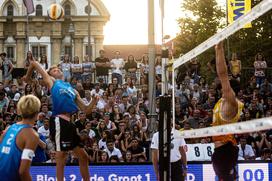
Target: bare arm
x=155, y=154
x=222, y=72
x=42, y=144
x=11, y=67
x=34, y=65
x=84, y=107
x=29, y=144
x=183, y=158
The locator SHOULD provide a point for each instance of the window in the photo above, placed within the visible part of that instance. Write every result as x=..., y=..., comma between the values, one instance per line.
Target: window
x=38, y=51
x=67, y=9
x=10, y=10
x=10, y=53
x=39, y=10
x=68, y=50
x=91, y=49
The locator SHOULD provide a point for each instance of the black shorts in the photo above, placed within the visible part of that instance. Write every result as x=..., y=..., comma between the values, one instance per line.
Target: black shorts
x=63, y=133
x=177, y=171
x=224, y=160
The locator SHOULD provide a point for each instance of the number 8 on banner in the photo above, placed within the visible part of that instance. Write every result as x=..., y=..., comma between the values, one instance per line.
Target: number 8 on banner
x=208, y=150
x=200, y=152
x=195, y=152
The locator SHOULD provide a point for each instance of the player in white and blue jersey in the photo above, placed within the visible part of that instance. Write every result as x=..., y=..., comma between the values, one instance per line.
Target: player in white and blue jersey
x=66, y=101
x=19, y=141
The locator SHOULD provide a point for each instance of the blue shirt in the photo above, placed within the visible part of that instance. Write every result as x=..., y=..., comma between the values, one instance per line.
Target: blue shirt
x=10, y=154
x=63, y=98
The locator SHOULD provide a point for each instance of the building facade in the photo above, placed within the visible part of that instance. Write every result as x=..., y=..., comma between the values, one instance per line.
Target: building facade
x=68, y=35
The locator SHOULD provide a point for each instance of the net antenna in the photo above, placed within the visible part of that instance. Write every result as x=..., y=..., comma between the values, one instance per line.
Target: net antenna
x=255, y=12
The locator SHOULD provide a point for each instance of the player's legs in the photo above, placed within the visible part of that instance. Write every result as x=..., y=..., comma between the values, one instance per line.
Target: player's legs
x=83, y=162
x=60, y=164
x=224, y=160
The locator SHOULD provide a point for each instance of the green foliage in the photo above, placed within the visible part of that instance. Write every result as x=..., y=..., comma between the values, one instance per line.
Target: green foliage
x=247, y=42
x=203, y=18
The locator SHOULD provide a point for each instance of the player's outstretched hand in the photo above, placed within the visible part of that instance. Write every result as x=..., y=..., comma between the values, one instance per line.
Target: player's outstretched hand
x=219, y=46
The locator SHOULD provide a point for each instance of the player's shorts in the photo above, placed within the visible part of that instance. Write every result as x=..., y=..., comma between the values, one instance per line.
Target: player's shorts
x=64, y=134
x=224, y=160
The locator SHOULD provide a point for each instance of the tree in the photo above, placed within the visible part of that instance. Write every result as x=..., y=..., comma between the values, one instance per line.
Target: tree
x=202, y=20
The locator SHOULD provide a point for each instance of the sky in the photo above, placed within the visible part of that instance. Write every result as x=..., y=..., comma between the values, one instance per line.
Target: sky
x=129, y=21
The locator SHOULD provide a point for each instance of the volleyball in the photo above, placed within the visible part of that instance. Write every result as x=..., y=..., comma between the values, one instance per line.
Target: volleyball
x=55, y=12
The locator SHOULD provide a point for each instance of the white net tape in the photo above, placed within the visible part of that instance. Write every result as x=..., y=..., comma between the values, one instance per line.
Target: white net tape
x=234, y=128
x=256, y=12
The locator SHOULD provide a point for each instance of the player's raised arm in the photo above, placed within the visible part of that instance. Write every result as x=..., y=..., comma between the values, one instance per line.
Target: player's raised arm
x=222, y=73
x=34, y=65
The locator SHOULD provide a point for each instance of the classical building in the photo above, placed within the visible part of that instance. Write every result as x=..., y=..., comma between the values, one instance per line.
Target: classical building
x=68, y=35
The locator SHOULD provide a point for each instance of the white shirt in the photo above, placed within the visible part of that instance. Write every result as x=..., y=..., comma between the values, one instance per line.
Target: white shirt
x=176, y=143
x=248, y=151
x=115, y=152
x=91, y=133
x=118, y=65
x=43, y=131
x=99, y=93
x=102, y=144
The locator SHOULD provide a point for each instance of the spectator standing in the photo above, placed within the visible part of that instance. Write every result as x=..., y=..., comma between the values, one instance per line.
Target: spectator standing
x=66, y=68
x=117, y=65
x=131, y=67
x=102, y=66
x=260, y=67
x=7, y=67
x=235, y=67
x=144, y=68
x=76, y=69
x=88, y=68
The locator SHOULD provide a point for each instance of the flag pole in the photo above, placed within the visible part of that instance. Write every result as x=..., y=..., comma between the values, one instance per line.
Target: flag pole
x=228, y=43
x=27, y=31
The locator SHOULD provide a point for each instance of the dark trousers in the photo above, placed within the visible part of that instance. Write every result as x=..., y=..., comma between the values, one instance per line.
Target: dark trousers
x=224, y=160
x=176, y=171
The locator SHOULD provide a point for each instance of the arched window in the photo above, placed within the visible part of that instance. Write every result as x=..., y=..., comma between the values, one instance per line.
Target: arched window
x=67, y=10
x=10, y=10
x=39, y=10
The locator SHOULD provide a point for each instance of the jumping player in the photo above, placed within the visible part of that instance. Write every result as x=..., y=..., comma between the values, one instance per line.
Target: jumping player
x=66, y=101
x=19, y=141
x=227, y=110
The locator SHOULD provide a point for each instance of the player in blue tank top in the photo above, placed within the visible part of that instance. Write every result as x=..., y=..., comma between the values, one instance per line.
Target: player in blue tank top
x=16, y=149
x=66, y=101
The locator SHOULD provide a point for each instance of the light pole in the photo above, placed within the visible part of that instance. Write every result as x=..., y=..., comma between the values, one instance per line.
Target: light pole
x=88, y=10
x=71, y=31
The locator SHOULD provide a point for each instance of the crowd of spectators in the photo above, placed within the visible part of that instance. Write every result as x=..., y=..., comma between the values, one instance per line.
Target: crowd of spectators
x=117, y=130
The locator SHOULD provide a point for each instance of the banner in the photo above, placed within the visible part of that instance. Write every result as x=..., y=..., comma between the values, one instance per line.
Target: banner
x=196, y=172
x=29, y=6
x=237, y=8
